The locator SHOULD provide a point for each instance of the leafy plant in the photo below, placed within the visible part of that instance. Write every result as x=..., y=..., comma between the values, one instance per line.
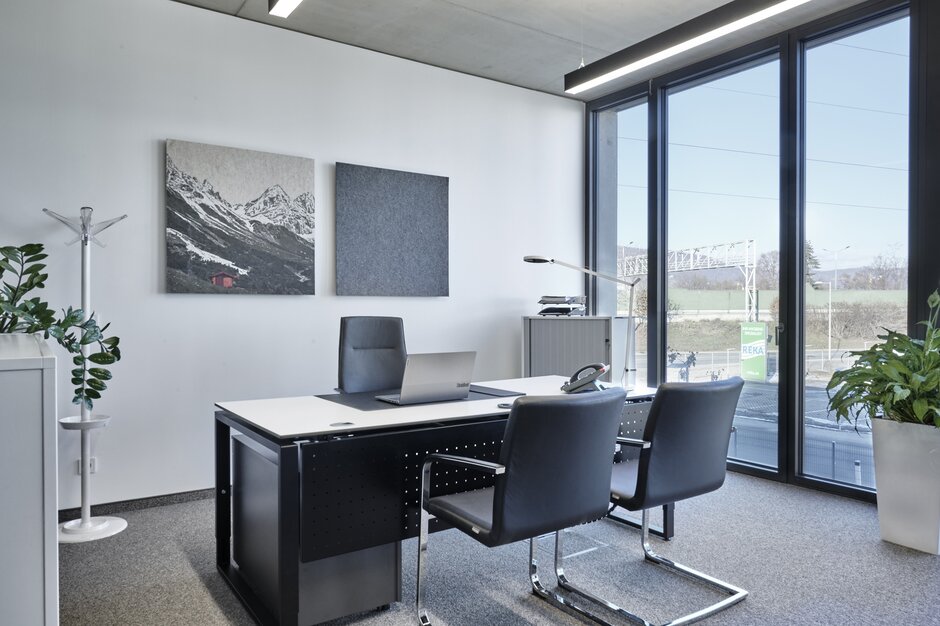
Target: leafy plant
x=898, y=378
x=19, y=314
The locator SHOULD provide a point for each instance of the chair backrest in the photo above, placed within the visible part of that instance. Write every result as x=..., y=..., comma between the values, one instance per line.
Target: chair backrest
x=372, y=353
x=558, y=452
x=689, y=426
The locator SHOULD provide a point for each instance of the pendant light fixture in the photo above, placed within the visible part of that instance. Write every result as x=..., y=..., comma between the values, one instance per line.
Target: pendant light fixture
x=282, y=8
x=715, y=24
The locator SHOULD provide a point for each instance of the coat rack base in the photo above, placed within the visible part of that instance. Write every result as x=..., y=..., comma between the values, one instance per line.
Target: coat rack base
x=97, y=528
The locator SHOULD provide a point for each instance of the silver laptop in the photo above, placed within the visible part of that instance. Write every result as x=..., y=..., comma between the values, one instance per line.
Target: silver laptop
x=434, y=377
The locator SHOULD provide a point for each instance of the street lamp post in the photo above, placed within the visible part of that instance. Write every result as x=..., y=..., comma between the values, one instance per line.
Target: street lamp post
x=835, y=253
x=829, y=284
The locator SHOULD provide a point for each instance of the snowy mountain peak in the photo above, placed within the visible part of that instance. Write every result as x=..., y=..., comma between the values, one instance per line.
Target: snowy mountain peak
x=275, y=206
x=179, y=180
x=304, y=204
x=274, y=199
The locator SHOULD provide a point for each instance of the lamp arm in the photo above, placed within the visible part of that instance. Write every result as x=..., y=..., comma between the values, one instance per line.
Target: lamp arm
x=584, y=270
x=630, y=284
x=593, y=273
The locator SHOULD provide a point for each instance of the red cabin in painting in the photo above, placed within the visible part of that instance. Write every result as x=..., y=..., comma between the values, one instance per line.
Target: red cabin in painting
x=221, y=279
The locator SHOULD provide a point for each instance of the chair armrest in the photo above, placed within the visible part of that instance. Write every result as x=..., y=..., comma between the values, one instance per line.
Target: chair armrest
x=638, y=443
x=461, y=461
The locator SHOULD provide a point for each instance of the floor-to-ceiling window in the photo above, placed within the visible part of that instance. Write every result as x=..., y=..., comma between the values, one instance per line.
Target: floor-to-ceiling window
x=621, y=194
x=632, y=208
x=723, y=258
x=856, y=221
x=777, y=179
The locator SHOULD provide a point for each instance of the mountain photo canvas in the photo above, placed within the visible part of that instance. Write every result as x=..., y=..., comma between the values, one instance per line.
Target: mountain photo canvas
x=238, y=221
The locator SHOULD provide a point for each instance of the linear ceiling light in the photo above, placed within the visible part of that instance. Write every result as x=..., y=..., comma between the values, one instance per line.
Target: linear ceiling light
x=282, y=8
x=626, y=61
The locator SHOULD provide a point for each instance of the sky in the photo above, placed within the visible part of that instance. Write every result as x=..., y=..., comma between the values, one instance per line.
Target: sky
x=723, y=154
x=241, y=176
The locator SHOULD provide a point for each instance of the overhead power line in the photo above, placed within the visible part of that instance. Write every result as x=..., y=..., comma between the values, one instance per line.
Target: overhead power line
x=776, y=156
x=775, y=199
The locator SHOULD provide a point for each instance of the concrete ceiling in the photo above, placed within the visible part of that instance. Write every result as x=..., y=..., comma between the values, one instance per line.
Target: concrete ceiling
x=528, y=43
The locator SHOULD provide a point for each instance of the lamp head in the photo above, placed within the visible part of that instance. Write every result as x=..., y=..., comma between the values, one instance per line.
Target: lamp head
x=536, y=259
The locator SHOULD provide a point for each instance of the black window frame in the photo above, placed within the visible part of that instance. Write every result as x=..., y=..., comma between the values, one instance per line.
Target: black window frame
x=789, y=48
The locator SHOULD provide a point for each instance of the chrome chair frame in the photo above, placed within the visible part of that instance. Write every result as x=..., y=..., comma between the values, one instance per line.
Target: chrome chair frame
x=736, y=594
x=664, y=533
x=487, y=467
x=493, y=469
x=552, y=597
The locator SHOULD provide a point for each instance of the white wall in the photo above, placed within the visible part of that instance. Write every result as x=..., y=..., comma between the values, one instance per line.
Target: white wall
x=90, y=90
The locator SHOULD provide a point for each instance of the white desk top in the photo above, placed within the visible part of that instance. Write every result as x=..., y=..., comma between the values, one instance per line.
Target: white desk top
x=312, y=416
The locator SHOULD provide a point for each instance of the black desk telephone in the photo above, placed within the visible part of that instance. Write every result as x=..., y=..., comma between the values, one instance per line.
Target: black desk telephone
x=585, y=379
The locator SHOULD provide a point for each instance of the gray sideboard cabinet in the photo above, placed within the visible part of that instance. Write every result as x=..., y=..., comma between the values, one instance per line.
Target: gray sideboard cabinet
x=561, y=345
x=29, y=559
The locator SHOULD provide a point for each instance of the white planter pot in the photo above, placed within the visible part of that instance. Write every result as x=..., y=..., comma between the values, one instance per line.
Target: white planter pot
x=907, y=474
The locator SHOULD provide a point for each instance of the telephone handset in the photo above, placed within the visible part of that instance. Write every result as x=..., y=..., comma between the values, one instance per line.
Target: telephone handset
x=585, y=379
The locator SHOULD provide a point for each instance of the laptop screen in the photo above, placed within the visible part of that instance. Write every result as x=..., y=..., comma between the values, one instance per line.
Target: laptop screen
x=437, y=376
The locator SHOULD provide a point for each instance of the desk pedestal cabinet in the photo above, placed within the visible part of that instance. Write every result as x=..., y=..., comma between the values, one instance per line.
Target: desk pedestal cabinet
x=327, y=588
x=316, y=525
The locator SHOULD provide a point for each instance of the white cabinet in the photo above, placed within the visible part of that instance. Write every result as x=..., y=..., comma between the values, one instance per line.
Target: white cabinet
x=29, y=559
x=561, y=345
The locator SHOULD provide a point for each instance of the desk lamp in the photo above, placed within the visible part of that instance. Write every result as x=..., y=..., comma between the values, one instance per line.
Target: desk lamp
x=628, y=378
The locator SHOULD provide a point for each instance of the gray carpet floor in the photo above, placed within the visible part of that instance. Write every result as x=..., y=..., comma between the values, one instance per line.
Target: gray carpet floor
x=806, y=557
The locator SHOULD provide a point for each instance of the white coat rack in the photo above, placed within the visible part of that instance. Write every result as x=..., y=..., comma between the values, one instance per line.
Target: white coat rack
x=87, y=528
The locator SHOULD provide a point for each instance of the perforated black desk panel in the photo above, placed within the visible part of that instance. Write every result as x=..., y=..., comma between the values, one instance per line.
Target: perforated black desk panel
x=364, y=491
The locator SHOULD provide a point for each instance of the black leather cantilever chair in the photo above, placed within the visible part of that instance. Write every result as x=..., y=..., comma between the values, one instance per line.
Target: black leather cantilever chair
x=683, y=454
x=576, y=435
x=371, y=353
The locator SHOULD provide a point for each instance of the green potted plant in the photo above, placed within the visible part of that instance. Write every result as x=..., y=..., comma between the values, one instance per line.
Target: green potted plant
x=21, y=272
x=896, y=385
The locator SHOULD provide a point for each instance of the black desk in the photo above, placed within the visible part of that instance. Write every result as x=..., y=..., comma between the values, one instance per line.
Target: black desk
x=313, y=498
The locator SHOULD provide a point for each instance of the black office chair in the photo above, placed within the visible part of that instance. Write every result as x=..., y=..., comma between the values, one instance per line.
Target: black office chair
x=683, y=454
x=574, y=434
x=371, y=353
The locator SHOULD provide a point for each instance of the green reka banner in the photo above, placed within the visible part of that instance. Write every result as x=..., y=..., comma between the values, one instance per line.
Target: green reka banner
x=754, y=351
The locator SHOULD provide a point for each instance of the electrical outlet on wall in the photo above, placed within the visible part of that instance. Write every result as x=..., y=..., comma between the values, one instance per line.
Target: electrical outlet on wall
x=92, y=465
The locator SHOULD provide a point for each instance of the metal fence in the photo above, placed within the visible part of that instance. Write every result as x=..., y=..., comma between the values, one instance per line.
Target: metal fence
x=753, y=446
x=850, y=463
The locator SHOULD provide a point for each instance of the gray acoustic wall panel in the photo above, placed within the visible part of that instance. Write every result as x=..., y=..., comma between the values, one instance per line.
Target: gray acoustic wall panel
x=391, y=232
